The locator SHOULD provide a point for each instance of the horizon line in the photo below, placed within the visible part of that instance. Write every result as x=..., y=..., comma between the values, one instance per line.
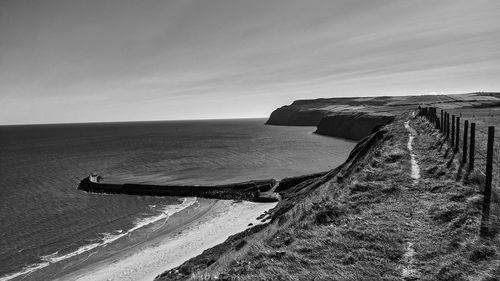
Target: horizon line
x=130, y=121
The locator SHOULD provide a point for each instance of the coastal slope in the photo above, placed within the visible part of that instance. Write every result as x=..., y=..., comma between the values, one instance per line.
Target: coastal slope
x=371, y=218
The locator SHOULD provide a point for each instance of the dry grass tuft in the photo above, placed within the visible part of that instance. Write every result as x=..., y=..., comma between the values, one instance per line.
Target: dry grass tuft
x=482, y=253
x=446, y=213
x=330, y=214
x=395, y=155
x=475, y=178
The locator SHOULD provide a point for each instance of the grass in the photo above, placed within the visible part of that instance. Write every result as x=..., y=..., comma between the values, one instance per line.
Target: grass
x=483, y=117
x=370, y=223
x=457, y=207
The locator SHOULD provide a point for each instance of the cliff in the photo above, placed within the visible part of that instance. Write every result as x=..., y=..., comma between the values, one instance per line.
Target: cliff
x=355, y=118
x=293, y=116
x=352, y=125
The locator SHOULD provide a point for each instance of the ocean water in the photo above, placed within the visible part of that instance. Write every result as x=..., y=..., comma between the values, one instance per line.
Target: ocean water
x=45, y=219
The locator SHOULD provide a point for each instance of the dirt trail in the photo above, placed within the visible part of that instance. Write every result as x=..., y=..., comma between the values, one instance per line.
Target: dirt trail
x=438, y=212
x=409, y=269
x=415, y=169
x=420, y=201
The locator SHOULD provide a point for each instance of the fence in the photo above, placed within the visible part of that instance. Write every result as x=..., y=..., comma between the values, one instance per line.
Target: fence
x=478, y=148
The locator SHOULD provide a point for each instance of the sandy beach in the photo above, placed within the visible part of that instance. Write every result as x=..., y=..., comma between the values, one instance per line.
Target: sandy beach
x=146, y=260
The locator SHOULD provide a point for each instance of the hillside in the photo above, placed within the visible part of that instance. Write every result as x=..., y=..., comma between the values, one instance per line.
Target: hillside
x=392, y=211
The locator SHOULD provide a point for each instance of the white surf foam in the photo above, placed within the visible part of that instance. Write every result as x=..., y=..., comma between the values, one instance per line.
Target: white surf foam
x=47, y=260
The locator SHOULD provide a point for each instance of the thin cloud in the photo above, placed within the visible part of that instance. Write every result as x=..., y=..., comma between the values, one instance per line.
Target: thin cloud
x=154, y=57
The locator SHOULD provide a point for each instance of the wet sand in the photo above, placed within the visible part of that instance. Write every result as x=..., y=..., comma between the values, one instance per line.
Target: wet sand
x=186, y=235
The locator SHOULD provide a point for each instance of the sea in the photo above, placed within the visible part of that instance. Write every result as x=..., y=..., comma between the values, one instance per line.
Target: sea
x=45, y=219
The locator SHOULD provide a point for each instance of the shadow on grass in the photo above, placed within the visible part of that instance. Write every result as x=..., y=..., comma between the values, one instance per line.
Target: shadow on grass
x=461, y=172
x=452, y=157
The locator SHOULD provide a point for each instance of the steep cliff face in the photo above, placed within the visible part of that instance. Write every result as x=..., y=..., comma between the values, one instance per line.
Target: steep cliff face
x=352, y=125
x=295, y=116
x=336, y=121
x=310, y=112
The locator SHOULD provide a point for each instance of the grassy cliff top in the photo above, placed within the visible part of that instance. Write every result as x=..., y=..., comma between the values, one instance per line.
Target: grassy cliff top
x=310, y=112
x=460, y=100
x=371, y=219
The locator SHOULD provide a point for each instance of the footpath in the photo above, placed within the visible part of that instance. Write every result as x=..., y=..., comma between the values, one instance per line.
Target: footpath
x=396, y=213
x=442, y=215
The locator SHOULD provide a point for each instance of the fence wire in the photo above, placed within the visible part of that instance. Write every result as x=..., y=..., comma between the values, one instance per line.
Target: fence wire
x=482, y=119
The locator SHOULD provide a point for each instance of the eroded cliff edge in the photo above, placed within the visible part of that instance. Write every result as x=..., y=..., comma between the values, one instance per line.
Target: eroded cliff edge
x=352, y=125
x=356, y=118
x=290, y=115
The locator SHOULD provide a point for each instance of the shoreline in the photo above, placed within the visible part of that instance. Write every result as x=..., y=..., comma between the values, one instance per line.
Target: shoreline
x=212, y=223
x=135, y=238
x=85, y=266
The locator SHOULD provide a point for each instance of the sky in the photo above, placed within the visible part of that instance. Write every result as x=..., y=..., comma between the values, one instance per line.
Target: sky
x=120, y=60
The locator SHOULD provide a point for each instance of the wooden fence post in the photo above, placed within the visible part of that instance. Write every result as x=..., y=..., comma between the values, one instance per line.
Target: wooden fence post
x=457, y=139
x=452, y=131
x=447, y=125
x=487, y=186
x=433, y=112
x=442, y=121
x=464, y=147
x=448, y=133
x=472, y=148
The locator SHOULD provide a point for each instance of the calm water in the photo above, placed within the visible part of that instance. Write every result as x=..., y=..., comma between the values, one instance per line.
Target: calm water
x=44, y=218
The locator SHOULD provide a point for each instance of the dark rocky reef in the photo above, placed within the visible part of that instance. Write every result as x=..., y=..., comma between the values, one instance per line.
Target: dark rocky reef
x=256, y=191
x=352, y=125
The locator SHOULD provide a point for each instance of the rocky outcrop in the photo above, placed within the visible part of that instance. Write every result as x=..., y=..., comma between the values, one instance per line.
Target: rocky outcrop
x=352, y=125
